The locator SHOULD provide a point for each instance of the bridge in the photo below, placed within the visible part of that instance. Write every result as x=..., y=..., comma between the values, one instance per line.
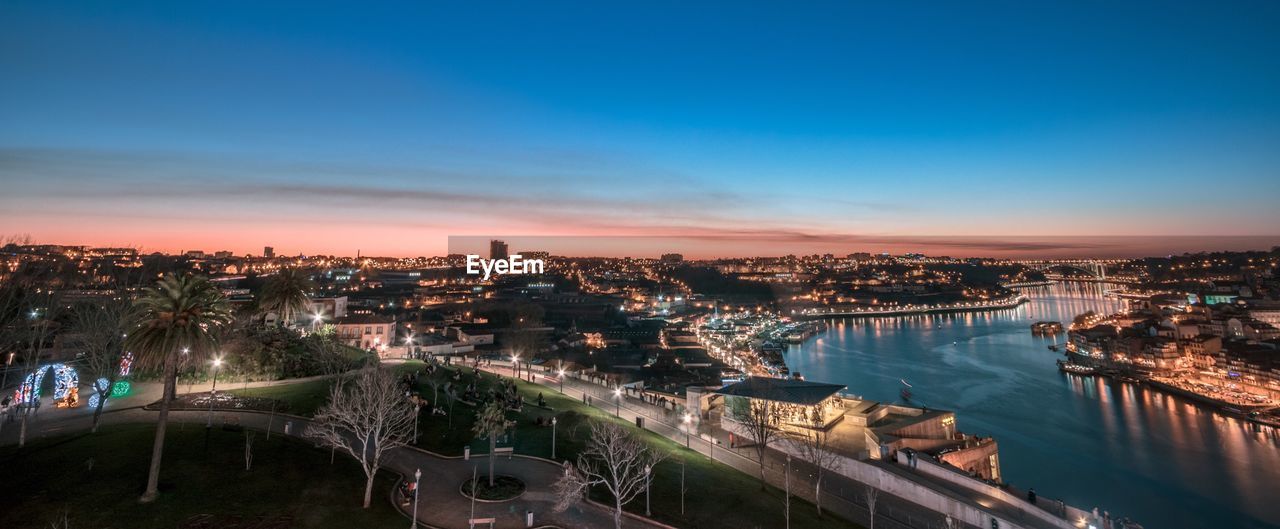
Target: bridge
x=1094, y=267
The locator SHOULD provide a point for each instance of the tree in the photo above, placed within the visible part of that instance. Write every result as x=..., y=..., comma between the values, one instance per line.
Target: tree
x=14, y=325
x=491, y=422
x=42, y=308
x=179, y=315
x=814, y=446
x=614, y=458
x=871, y=494
x=366, y=419
x=287, y=293
x=102, y=328
x=761, y=418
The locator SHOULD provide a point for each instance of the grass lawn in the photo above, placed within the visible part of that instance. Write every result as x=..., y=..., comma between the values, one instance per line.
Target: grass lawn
x=302, y=398
x=290, y=485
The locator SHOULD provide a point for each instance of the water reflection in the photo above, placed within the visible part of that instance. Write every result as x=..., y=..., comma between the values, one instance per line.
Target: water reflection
x=1088, y=440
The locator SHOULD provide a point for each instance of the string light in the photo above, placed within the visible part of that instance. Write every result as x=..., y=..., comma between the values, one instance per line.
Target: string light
x=64, y=379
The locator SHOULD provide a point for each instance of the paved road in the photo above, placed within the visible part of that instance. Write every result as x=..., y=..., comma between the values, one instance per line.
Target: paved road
x=441, y=503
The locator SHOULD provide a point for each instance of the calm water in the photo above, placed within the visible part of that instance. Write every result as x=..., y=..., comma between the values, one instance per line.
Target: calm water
x=1091, y=442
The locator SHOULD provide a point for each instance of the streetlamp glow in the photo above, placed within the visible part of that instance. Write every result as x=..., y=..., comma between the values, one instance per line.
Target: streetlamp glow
x=213, y=391
x=417, y=479
x=648, y=478
x=688, y=421
x=617, y=398
x=515, y=361
x=561, y=379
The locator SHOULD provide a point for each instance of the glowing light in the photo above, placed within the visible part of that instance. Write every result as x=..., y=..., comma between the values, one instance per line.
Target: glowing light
x=65, y=378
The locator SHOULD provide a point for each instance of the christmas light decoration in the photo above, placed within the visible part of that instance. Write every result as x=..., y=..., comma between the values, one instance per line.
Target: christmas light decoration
x=64, y=378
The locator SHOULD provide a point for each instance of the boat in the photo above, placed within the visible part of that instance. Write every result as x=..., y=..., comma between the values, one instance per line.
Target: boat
x=1077, y=369
x=906, y=392
x=1046, y=327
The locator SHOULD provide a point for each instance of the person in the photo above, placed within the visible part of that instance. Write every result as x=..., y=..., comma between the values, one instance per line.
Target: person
x=1031, y=495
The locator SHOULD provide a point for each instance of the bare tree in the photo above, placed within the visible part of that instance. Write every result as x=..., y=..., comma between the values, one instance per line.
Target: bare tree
x=102, y=328
x=248, y=449
x=614, y=458
x=871, y=494
x=761, y=418
x=43, y=308
x=814, y=446
x=13, y=325
x=450, y=395
x=366, y=419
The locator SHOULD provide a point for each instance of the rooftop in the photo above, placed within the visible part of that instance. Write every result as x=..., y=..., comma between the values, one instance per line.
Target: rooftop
x=782, y=390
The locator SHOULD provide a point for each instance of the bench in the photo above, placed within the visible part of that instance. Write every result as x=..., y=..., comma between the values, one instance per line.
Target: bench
x=472, y=522
x=509, y=451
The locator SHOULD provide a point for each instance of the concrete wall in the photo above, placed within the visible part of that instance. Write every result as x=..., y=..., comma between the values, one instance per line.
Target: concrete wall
x=898, y=486
x=926, y=466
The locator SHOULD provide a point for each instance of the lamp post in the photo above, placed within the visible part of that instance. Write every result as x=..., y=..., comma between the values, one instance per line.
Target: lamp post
x=417, y=412
x=553, y=438
x=647, y=479
x=617, y=400
x=788, y=511
x=213, y=391
x=688, y=422
x=9, y=362
x=515, y=361
x=417, y=478
x=561, y=378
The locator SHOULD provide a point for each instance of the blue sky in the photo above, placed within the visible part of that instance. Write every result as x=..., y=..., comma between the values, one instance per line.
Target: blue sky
x=179, y=124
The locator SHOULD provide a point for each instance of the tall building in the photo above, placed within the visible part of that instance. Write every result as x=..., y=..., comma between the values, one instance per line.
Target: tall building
x=497, y=249
x=268, y=252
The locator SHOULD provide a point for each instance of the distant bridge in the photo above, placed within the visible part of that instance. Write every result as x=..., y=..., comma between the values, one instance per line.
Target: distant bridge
x=1096, y=268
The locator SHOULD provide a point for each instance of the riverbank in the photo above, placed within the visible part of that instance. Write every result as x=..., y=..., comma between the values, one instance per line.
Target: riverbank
x=909, y=310
x=1254, y=413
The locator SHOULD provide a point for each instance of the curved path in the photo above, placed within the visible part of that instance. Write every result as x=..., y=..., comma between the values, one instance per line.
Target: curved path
x=441, y=505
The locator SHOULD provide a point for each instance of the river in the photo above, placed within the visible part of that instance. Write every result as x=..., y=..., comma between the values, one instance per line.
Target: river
x=1090, y=441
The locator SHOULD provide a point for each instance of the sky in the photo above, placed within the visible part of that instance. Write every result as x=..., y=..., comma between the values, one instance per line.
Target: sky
x=961, y=128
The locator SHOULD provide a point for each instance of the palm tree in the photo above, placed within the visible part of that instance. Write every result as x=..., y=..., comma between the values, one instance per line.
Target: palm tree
x=287, y=294
x=179, y=315
x=491, y=422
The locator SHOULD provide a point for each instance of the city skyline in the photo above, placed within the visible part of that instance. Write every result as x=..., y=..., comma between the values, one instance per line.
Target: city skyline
x=838, y=128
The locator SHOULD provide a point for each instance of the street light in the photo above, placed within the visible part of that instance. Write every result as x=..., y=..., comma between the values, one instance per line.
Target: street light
x=515, y=361
x=213, y=391
x=617, y=398
x=417, y=477
x=647, y=480
x=561, y=379
x=553, y=438
x=688, y=421
x=417, y=412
